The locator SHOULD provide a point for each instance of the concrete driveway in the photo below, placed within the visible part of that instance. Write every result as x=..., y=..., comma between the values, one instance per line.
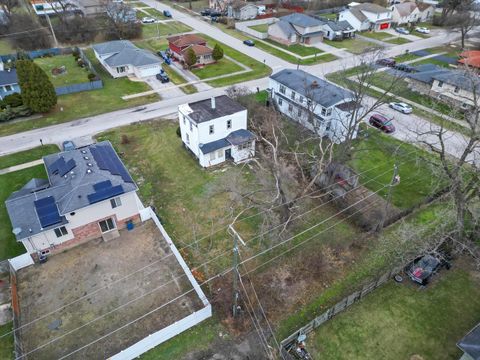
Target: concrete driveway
x=165, y=90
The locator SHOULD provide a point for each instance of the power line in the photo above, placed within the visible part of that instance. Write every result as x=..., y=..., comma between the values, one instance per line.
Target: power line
x=210, y=279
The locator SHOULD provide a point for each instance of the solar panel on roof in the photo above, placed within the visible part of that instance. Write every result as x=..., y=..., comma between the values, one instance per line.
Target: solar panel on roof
x=107, y=159
x=70, y=164
x=47, y=211
x=61, y=167
x=105, y=193
x=102, y=185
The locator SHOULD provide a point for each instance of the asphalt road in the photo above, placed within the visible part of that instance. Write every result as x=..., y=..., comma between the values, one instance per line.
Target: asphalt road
x=83, y=129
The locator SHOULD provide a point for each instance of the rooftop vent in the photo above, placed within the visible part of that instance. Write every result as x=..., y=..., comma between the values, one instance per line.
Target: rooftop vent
x=212, y=100
x=84, y=151
x=314, y=84
x=86, y=158
x=89, y=171
x=89, y=164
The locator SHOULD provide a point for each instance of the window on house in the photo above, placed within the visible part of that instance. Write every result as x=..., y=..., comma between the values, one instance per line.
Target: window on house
x=191, y=126
x=280, y=101
x=329, y=112
x=115, y=202
x=329, y=124
x=456, y=90
x=220, y=153
x=107, y=225
x=244, y=146
x=440, y=83
x=8, y=88
x=229, y=124
x=184, y=120
x=290, y=107
x=211, y=129
x=61, y=231
x=282, y=89
x=188, y=139
x=299, y=112
x=212, y=156
x=120, y=69
x=324, y=111
x=309, y=102
x=293, y=95
x=301, y=99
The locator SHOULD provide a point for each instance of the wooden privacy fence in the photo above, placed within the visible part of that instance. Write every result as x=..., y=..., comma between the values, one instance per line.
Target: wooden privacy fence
x=18, y=346
x=339, y=307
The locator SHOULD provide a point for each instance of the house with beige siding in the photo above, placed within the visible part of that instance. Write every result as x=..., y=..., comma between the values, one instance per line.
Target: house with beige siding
x=297, y=28
x=88, y=194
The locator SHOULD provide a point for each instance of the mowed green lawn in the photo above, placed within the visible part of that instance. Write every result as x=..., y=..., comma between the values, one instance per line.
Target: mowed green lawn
x=222, y=67
x=376, y=35
x=74, y=74
x=397, y=321
x=6, y=343
x=298, y=49
x=162, y=29
x=27, y=155
x=355, y=46
x=398, y=41
x=9, y=183
x=263, y=28
x=87, y=103
x=374, y=157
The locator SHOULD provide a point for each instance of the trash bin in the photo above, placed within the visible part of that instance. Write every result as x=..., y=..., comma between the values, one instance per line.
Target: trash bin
x=130, y=225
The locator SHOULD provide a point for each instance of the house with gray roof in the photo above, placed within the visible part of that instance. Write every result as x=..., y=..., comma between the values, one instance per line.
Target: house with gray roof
x=88, y=194
x=316, y=104
x=367, y=16
x=122, y=58
x=215, y=131
x=337, y=30
x=8, y=81
x=297, y=28
x=470, y=344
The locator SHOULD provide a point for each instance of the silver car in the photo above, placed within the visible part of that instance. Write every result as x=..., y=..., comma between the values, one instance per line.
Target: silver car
x=422, y=30
x=402, y=107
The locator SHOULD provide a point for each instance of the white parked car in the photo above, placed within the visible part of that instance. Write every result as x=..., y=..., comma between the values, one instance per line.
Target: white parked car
x=402, y=107
x=148, y=20
x=422, y=30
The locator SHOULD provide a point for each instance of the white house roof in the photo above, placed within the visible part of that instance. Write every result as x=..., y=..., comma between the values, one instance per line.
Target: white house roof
x=406, y=8
x=203, y=110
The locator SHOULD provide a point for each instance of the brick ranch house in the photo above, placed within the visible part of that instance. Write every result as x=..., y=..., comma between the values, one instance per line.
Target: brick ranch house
x=88, y=194
x=178, y=45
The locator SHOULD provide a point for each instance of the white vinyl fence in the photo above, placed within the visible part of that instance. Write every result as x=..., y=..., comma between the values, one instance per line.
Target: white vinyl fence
x=244, y=26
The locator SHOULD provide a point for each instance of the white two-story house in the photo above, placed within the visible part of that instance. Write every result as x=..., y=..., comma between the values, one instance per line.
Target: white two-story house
x=367, y=16
x=88, y=194
x=215, y=130
x=318, y=105
x=405, y=13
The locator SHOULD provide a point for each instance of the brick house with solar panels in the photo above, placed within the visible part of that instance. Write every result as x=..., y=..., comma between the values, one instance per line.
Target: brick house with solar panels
x=88, y=194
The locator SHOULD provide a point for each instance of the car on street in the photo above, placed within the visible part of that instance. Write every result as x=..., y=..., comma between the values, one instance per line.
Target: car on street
x=402, y=30
x=249, y=42
x=68, y=145
x=148, y=20
x=422, y=30
x=402, y=107
x=382, y=123
x=405, y=68
x=422, y=268
x=165, y=57
x=206, y=12
x=215, y=13
x=167, y=13
x=387, y=62
x=163, y=77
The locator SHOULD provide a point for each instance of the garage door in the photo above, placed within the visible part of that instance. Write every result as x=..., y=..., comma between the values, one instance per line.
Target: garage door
x=148, y=71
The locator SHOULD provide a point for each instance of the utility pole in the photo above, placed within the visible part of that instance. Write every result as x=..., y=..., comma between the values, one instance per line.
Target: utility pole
x=236, y=275
x=395, y=181
x=51, y=28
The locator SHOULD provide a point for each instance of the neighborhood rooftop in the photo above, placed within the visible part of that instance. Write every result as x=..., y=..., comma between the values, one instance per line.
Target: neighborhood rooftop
x=302, y=20
x=185, y=40
x=76, y=179
x=470, y=344
x=372, y=8
x=125, y=53
x=8, y=77
x=322, y=92
x=204, y=111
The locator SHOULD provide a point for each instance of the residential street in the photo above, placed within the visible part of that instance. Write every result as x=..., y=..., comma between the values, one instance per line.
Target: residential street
x=85, y=128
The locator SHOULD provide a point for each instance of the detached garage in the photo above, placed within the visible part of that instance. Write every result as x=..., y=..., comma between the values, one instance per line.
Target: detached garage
x=122, y=58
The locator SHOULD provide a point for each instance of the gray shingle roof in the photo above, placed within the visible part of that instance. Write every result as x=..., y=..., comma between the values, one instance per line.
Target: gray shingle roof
x=372, y=8
x=286, y=27
x=214, y=145
x=322, y=92
x=123, y=52
x=302, y=20
x=470, y=344
x=339, y=25
x=202, y=110
x=70, y=191
x=461, y=79
x=8, y=77
x=424, y=73
x=236, y=137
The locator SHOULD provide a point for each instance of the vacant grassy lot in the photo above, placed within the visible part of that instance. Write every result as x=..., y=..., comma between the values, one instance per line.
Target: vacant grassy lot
x=320, y=58
x=355, y=46
x=380, y=152
x=397, y=321
x=259, y=69
x=260, y=28
x=398, y=41
x=27, y=155
x=87, y=103
x=376, y=35
x=221, y=67
x=9, y=183
x=6, y=343
x=163, y=29
x=153, y=44
x=74, y=74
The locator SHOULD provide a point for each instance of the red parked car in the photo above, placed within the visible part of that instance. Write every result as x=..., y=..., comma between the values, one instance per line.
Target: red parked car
x=381, y=122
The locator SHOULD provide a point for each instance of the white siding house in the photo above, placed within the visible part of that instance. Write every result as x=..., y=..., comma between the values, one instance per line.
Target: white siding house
x=89, y=194
x=241, y=10
x=215, y=130
x=405, y=13
x=122, y=58
x=316, y=104
x=367, y=16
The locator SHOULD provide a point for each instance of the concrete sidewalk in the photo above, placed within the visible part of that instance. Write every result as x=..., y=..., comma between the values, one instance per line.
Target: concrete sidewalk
x=21, y=166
